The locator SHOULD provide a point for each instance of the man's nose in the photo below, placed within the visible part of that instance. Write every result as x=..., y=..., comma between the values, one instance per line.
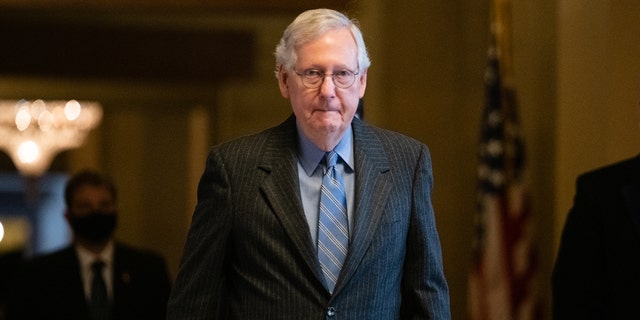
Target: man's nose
x=328, y=87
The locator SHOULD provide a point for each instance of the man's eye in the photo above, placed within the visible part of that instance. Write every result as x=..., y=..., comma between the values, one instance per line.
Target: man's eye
x=312, y=73
x=343, y=73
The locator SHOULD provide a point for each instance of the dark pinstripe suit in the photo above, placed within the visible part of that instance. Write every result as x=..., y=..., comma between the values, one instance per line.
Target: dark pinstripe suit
x=249, y=254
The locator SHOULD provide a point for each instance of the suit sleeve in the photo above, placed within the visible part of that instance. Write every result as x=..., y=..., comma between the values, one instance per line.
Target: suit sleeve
x=576, y=291
x=198, y=289
x=425, y=291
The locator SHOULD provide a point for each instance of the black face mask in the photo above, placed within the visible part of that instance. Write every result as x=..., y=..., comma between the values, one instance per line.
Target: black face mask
x=97, y=226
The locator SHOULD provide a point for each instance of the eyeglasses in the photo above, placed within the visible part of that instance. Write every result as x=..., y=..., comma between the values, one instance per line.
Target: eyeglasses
x=313, y=78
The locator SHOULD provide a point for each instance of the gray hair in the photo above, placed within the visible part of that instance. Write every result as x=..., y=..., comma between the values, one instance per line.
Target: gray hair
x=311, y=25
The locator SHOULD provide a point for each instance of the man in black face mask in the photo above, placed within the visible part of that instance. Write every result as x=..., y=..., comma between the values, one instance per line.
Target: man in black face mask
x=96, y=277
x=92, y=215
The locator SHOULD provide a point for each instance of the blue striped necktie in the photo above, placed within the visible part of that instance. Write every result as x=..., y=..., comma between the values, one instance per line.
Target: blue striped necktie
x=333, y=230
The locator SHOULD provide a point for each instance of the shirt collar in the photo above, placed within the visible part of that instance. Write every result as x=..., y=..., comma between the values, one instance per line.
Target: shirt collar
x=310, y=155
x=87, y=257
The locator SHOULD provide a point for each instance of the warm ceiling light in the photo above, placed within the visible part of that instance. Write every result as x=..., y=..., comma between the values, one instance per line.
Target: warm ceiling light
x=34, y=132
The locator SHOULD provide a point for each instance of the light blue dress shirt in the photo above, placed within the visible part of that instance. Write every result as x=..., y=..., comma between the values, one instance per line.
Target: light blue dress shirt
x=310, y=171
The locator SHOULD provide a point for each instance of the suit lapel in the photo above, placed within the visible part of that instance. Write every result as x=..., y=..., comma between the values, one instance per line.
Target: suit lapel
x=281, y=186
x=121, y=274
x=69, y=280
x=371, y=191
x=73, y=275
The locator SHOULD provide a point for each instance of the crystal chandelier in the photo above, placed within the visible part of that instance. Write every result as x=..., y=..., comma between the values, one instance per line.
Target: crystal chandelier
x=32, y=133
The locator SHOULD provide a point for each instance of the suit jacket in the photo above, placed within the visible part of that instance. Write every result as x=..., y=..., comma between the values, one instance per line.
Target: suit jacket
x=249, y=253
x=597, y=270
x=53, y=286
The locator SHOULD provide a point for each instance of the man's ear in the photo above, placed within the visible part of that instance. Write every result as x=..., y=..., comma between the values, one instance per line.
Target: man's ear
x=283, y=78
x=363, y=83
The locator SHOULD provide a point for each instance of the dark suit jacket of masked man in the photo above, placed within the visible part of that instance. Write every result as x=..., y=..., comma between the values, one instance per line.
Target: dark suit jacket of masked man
x=52, y=288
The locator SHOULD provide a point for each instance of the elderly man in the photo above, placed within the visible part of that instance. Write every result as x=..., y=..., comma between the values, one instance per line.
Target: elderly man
x=322, y=216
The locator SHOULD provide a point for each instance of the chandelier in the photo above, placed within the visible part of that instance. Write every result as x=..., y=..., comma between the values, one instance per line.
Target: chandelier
x=32, y=133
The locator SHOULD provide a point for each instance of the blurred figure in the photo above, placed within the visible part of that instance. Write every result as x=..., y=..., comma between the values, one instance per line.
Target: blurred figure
x=321, y=216
x=597, y=270
x=96, y=277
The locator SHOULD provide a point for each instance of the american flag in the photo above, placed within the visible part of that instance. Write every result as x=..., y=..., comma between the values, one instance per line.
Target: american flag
x=503, y=275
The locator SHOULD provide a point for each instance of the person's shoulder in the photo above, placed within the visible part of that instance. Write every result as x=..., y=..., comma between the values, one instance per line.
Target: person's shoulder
x=140, y=263
x=43, y=263
x=617, y=171
x=389, y=138
x=133, y=252
x=57, y=254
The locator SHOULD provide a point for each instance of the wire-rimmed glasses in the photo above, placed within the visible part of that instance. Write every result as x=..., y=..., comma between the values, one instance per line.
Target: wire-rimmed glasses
x=314, y=78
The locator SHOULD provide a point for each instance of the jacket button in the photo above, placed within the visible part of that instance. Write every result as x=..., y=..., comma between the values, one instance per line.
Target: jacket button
x=331, y=312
